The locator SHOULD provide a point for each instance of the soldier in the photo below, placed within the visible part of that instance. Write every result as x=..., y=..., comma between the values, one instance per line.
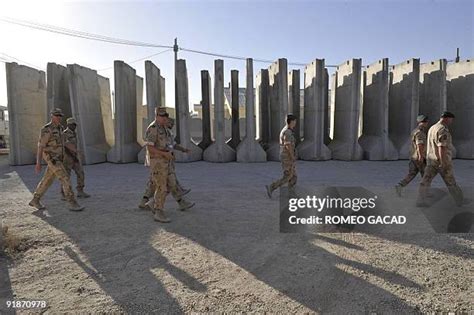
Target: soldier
x=159, y=152
x=439, y=160
x=417, y=162
x=72, y=159
x=287, y=157
x=51, y=150
x=150, y=188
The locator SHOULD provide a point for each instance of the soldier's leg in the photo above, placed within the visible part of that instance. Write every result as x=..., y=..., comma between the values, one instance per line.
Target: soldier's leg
x=44, y=183
x=412, y=172
x=425, y=184
x=67, y=166
x=448, y=177
x=160, y=179
x=79, y=170
x=149, y=192
x=287, y=174
x=294, y=177
x=176, y=193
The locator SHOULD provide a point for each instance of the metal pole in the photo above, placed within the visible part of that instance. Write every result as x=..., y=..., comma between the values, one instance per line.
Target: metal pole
x=457, y=55
x=176, y=109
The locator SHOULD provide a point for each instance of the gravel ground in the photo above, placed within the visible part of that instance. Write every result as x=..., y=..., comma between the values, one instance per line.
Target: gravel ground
x=226, y=254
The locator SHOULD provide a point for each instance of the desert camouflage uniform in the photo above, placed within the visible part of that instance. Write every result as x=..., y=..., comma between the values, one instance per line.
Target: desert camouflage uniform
x=438, y=136
x=418, y=136
x=72, y=160
x=288, y=164
x=52, y=141
x=162, y=176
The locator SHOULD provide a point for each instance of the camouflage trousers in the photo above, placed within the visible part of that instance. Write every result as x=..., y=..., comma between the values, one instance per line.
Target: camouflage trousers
x=76, y=165
x=289, y=174
x=414, y=167
x=163, y=179
x=448, y=177
x=55, y=169
x=150, y=187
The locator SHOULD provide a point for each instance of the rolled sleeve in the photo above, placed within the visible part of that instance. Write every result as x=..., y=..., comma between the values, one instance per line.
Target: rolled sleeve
x=150, y=137
x=442, y=139
x=45, y=134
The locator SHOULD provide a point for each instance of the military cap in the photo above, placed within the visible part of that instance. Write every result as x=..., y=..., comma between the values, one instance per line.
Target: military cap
x=71, y=121
x=447, y=115
x=422, y=118
x=161, y=111
x=56, y=112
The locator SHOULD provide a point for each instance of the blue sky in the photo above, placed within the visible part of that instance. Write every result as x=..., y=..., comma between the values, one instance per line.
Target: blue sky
x=297, y=30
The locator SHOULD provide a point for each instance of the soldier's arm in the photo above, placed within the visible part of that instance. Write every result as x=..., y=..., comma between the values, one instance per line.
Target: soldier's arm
x=43, y=140
x=442, y=144
x=180, y=148
x=289, y=146
x=420, y=141
x=154, y=152
x=71, y=147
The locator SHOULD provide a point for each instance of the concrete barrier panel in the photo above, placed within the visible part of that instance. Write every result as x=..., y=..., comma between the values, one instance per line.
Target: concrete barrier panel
x=219, y=151
x=183, y=129
x=106, y=109
x=250, y=150
x=235, y=139
x=262, y=108
x=278, y=98
x=294, y=100
x=26, y=94
x=58, y=89
x=206, y=93
x=375, y=140
x=142, y=114
x=460, y=101
x=433, y=89
x=85, y=94
x=313, y=147
x=403, y=104
x=126, y=147
x=347, y=110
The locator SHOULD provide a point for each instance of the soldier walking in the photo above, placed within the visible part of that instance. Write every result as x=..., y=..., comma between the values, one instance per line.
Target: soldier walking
x=72, y=157
x=287, y=157
x=439, y=160
x=159, y=152
x=417, y=162
x=51, y=150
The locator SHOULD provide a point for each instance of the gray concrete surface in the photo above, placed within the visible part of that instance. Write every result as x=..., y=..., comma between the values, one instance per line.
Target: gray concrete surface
x=26, y=95
x=433, y=90
x=375, y=140
x=262, y=105
x=234, y=141
x=294, y=105
x=226, y=255
x=460, y=100
x=219, y=150
x=126, y=147
x=106, y=109
x=404, y=94
x=206, y=93
x=347, y=109
x=250, y=150
x=86, y=96
x=315, y=107
x=278, y=100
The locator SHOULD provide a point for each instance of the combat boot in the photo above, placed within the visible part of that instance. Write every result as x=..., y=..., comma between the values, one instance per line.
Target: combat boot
x=398, y=190
x=269, y=191
x=184, y=204
x=35, y=203
x=143, y=203
x=74, y=206
x=185, y=192
x=160, y=216
x=82, y=194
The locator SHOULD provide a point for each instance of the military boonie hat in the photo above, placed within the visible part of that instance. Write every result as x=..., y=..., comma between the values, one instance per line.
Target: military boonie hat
x=56, y=112
x=447, y=115
x=422, y=118
x=71, y=121
x=161, y=111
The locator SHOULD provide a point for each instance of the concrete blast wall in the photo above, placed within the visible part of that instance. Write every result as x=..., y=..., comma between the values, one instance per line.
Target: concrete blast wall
x=219, y=151
x=403, y=104
x=278, y=99
x=86, y=96
x=315, y=104
x=347, y=107
x=58, y=89
x=183, y=129
x=26, y=94
x=433, y=89
x=375, y=140
x=460, y=101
